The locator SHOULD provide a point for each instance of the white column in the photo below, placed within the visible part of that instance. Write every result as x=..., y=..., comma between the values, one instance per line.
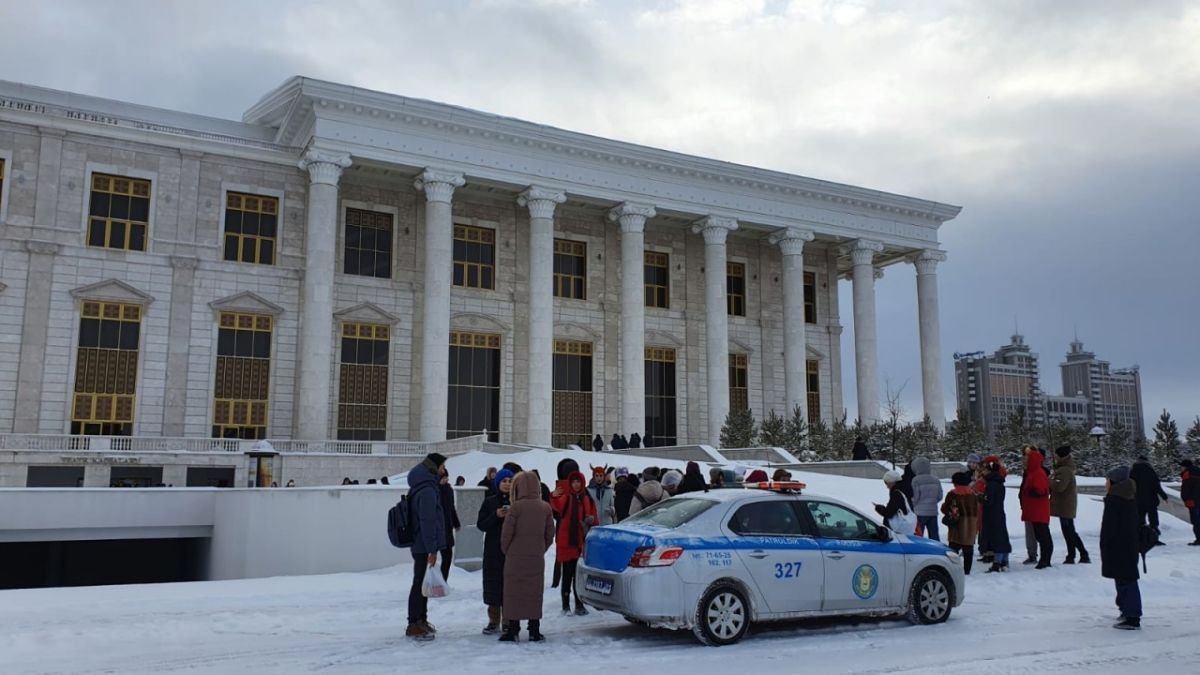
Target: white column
x=931, y=334
x=316, y=317
x=632, y=218
x=866, y=365
x=541, y=202
x=435, y=334
x=795, y=343
x=716, y=329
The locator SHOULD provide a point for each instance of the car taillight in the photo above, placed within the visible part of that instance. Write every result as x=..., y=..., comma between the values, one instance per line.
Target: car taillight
x=653, y=556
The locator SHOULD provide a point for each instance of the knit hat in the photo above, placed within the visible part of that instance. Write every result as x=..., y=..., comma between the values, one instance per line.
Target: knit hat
x=1063, y=451
x=435, y=460
x=651, y=473
x=1118, y=474
x=892, y=476
x=501, y=475
x=974, y=458
x=961, y=478
x=672, y=479
x=622, y=472
x=756, y=476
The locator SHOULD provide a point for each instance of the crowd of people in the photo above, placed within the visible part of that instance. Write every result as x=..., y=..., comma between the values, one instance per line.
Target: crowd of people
x=974, y=517
x=521, y=518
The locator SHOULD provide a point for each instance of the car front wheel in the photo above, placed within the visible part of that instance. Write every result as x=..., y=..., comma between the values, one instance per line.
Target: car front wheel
x=722, y=616
x=929, y=599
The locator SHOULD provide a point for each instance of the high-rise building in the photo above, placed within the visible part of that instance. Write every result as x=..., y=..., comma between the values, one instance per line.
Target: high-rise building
x=1113, y=395
x=991, y=389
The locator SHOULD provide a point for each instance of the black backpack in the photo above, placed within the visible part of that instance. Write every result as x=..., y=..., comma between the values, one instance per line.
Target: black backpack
x=400, y=523
x=1147, y=540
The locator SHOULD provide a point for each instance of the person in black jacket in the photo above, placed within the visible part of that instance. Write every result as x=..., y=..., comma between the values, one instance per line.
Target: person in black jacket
x=489, y=481
x=635, y=441
x=618, y=443
x=1119, y=546
x=450, y=515
x=693, y=480
x=1189, y=492
x=860, y=451
x=897, y=500
x=1149, y=491
x=994, y=520
x=491, y=522
x=906, y=480
x=623, y=490
x=598, y=444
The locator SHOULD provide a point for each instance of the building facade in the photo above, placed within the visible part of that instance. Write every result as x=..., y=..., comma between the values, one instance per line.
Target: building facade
x=350, y=264
x=1114, y=396
x=991, y=389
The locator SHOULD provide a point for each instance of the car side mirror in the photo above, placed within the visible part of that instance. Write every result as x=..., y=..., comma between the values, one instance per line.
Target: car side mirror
x=883, y=533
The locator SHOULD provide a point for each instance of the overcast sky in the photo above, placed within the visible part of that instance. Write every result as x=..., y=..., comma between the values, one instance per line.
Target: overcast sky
x=1068, y=130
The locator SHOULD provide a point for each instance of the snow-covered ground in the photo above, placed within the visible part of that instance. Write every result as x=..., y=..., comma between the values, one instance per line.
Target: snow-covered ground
x=1056, y=620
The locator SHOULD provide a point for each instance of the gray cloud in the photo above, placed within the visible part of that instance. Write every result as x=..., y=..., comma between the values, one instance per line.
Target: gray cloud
x=1067, y=130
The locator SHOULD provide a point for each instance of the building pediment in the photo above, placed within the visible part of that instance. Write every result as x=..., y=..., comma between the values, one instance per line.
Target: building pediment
x=366, y=312
x=248, y=302
x=657, y=337
x=474, y=321
x=112, y=290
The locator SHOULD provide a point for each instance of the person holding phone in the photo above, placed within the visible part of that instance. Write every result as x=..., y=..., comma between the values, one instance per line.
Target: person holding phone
x=492, y=514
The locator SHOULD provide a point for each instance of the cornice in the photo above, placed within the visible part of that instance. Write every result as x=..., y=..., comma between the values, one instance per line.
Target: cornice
x=389, y=110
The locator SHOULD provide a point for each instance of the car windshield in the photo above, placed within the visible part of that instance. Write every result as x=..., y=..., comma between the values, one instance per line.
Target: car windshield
x=671, y=513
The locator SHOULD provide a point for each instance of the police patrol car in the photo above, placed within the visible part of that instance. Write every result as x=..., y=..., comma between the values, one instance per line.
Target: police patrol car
x=718, y=561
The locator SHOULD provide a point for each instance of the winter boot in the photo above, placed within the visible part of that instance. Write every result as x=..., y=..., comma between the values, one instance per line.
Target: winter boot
x=994, y=568
x=1194, y=543
x=1085, y=560
x=417, y=632
x=1070, y=560
x=1129, y=623
x=1045, y=564
x=535, y=632
x=493, y=624
x=511, y=629
x=580, y=610
x=1030, y=561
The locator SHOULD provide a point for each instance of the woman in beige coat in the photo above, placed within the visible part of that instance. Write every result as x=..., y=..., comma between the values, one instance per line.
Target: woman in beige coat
x=527, y=535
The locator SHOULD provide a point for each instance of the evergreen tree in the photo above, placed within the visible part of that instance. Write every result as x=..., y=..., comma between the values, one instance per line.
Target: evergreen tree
x=963, y=437
x=1012, y=438
x=820, y=440
x=773, y=431
x=1115, y=448
x=796, y=429
x=927, y=440
x=1166, y=443
x=1193, y=437
x=841, y=440
x=739, y=430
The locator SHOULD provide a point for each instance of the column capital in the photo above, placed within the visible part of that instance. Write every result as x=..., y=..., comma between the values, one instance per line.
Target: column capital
x=631, y=216
x=184, y=262
x=41, y=247
x=324, y=166
x=715, y=228
x=926, y=261
x=791, y=240
x=541, y=200
x=439, y=185
x=862, y=251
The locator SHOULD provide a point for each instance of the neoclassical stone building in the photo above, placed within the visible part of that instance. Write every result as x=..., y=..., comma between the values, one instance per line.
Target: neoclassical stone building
x=344, y=263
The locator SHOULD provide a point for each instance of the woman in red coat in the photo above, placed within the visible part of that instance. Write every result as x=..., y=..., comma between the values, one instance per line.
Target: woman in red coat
x=576, y=513
x=1035, y=503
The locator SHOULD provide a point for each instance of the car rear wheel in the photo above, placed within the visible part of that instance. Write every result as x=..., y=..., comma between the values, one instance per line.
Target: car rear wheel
x=930, y=598
x=722, y=616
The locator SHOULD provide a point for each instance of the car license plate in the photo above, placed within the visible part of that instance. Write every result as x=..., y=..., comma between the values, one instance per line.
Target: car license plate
x=598, y=585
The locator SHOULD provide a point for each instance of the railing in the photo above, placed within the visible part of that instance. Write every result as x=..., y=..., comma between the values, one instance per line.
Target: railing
x=134, y=444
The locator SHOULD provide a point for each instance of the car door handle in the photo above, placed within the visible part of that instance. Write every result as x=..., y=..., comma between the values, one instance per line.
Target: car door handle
x=837, y=555
x=758, y=555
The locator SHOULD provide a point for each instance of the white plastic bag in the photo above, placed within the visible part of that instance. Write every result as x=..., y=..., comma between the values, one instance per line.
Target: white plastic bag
x=435, y=585
x=904, y=523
